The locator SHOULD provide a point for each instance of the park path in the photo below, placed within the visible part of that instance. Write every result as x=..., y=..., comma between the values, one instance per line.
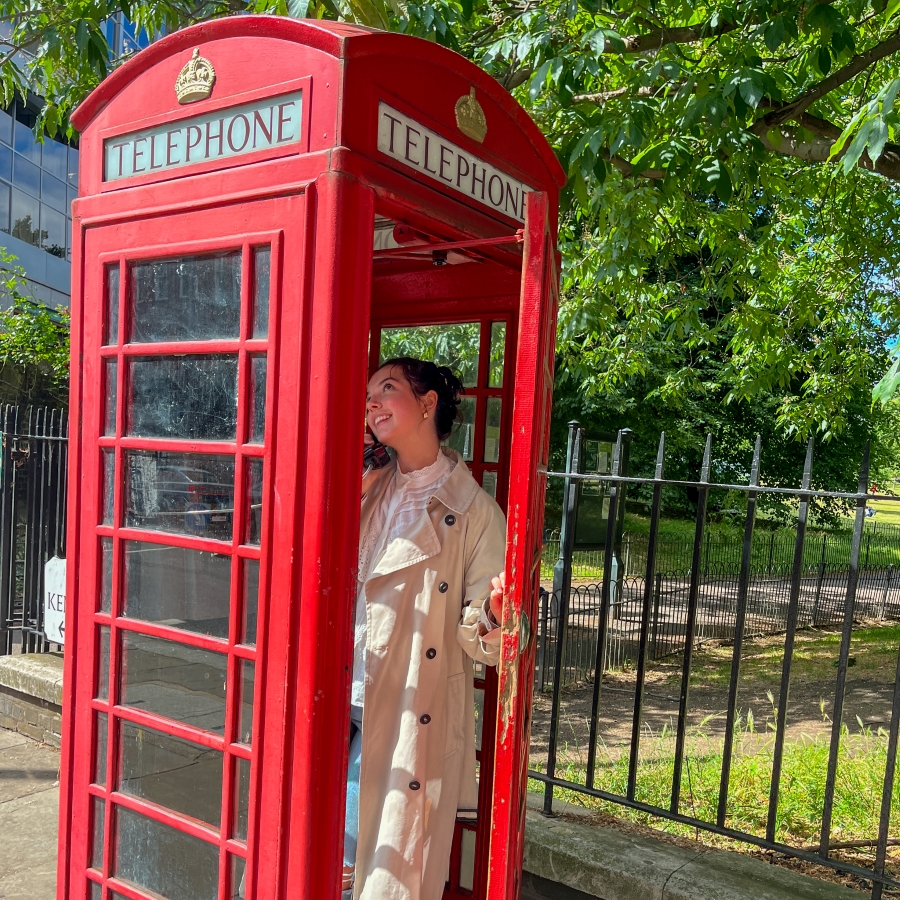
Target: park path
x=29, y=812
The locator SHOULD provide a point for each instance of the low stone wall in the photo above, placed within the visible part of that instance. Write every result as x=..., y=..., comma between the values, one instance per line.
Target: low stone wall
x=31, y=695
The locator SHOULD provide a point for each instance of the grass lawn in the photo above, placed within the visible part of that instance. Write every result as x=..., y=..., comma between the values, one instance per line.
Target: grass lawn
x=862, y=757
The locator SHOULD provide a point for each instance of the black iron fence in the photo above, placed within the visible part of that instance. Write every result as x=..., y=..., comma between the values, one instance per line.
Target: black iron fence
x=33, y=459
x=665, y=600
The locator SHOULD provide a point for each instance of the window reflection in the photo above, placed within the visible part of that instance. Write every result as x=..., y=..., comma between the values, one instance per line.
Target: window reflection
x=179, y=775
x=186, y=299
x=182, y=493
x=462, y=438
x=181, y=588
x=164, y=861
x=173, y=680
x=183, y=397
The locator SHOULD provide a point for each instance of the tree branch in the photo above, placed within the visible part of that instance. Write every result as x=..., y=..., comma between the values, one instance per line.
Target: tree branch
x=627, y=169
x=857, y=64
x=818, y=149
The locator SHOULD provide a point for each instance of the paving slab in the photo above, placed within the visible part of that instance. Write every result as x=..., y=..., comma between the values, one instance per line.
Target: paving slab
x=28, y=848
x=27, y=769
x=29, y=814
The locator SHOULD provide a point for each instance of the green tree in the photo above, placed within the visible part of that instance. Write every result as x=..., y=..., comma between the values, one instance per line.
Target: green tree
x=732, y=175
x=34, y=344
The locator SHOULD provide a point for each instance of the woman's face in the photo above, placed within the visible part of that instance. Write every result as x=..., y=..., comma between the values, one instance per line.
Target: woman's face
x=394, y=414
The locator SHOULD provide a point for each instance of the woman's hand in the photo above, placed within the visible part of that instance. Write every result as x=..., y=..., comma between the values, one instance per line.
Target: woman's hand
x=498, y=588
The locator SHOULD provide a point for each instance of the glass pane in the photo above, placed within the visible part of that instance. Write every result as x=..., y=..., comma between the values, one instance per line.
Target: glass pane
x=254, y=500
x=111, y=331
x=160, y=859
x=498, y=353
x=489, y=483
x=98, y=810
x=6, y=127
x=73, y=167
x=257, y=398
x=179, y=775
x=6, y=159
x=108, y=456
x=106, y=574
x=251, y=600
x=241, y=797
x=184, y=397
x=456, y=346
x=4, y=207
x=467, y=861
x=100, y=726
x=238, y=874
x=187, y=589
x=261, y=268
x=245, y=722
x=194, y=298
x=110, y=369
x=103, y=665
x=26, y=176
x=53, y=192
x=25, y=215
x=492, y=430
x=97, y=892
x=183, y=493
x=53, y=231
x=53, y=158
x=25, y=143
x=462, y=438
x=174, y=680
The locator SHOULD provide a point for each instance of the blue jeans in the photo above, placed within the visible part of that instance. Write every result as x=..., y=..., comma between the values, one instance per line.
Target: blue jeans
x=351, y=820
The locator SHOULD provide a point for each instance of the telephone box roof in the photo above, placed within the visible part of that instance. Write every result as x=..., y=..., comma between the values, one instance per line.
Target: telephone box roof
x=352, y=46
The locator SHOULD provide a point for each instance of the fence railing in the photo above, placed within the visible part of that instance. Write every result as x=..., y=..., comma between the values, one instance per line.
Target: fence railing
x=715, y=590
x=33, y=461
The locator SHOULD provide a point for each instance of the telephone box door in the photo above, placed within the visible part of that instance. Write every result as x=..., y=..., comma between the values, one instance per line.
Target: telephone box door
x=525, y=515
x=178, y=542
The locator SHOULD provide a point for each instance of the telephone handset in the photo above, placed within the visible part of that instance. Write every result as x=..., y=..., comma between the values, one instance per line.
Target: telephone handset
x=375, y=456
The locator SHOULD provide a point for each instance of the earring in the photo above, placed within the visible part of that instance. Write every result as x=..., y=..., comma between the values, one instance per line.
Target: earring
x=425, y=414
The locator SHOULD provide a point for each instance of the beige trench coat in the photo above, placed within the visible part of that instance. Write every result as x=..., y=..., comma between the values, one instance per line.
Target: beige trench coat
x=418, y=751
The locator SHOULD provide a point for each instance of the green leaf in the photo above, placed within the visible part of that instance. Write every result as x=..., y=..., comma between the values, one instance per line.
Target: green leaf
x=752, y=88
x=298, y=9
x=891, y=9
x=823, y=60
x=887, y=387
x=890, y=97
x=538, y=80
x=774, y=33
x=854, y=152
x=877, y=139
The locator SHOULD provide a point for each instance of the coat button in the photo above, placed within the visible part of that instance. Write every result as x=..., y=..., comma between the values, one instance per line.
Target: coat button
x=425, y=719
x=443, y=587
x=450, y=520
x=431, y=653
x=414, y=785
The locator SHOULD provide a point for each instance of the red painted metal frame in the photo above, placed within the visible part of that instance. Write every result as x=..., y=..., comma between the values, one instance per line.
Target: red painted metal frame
x=525, y=514
x=318, y=206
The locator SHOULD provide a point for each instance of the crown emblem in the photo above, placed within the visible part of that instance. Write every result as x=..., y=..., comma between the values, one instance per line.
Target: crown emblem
x=195, y=81
x=470, y=117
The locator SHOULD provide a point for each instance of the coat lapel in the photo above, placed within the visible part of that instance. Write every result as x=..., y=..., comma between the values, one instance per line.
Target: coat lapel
x=420, y=541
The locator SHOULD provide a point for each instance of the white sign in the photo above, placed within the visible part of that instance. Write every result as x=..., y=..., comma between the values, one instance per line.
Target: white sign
x=422, y=149
x=55, y=600
x=272, y=122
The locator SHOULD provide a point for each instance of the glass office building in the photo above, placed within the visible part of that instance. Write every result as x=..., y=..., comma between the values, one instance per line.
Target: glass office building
x=38, y=182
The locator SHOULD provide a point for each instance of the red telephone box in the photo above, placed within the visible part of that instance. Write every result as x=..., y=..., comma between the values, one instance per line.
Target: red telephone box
x=267, y=205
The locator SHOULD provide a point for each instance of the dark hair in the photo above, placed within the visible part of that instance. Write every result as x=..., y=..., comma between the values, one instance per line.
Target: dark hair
x=424, y=376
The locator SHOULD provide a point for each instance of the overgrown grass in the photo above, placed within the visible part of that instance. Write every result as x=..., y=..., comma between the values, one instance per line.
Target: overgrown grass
x=857, y=797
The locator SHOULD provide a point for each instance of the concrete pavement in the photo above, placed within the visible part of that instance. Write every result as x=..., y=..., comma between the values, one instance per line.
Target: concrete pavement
x=29, y=809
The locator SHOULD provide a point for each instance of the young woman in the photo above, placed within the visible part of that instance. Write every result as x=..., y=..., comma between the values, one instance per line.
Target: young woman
x=429, y=599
